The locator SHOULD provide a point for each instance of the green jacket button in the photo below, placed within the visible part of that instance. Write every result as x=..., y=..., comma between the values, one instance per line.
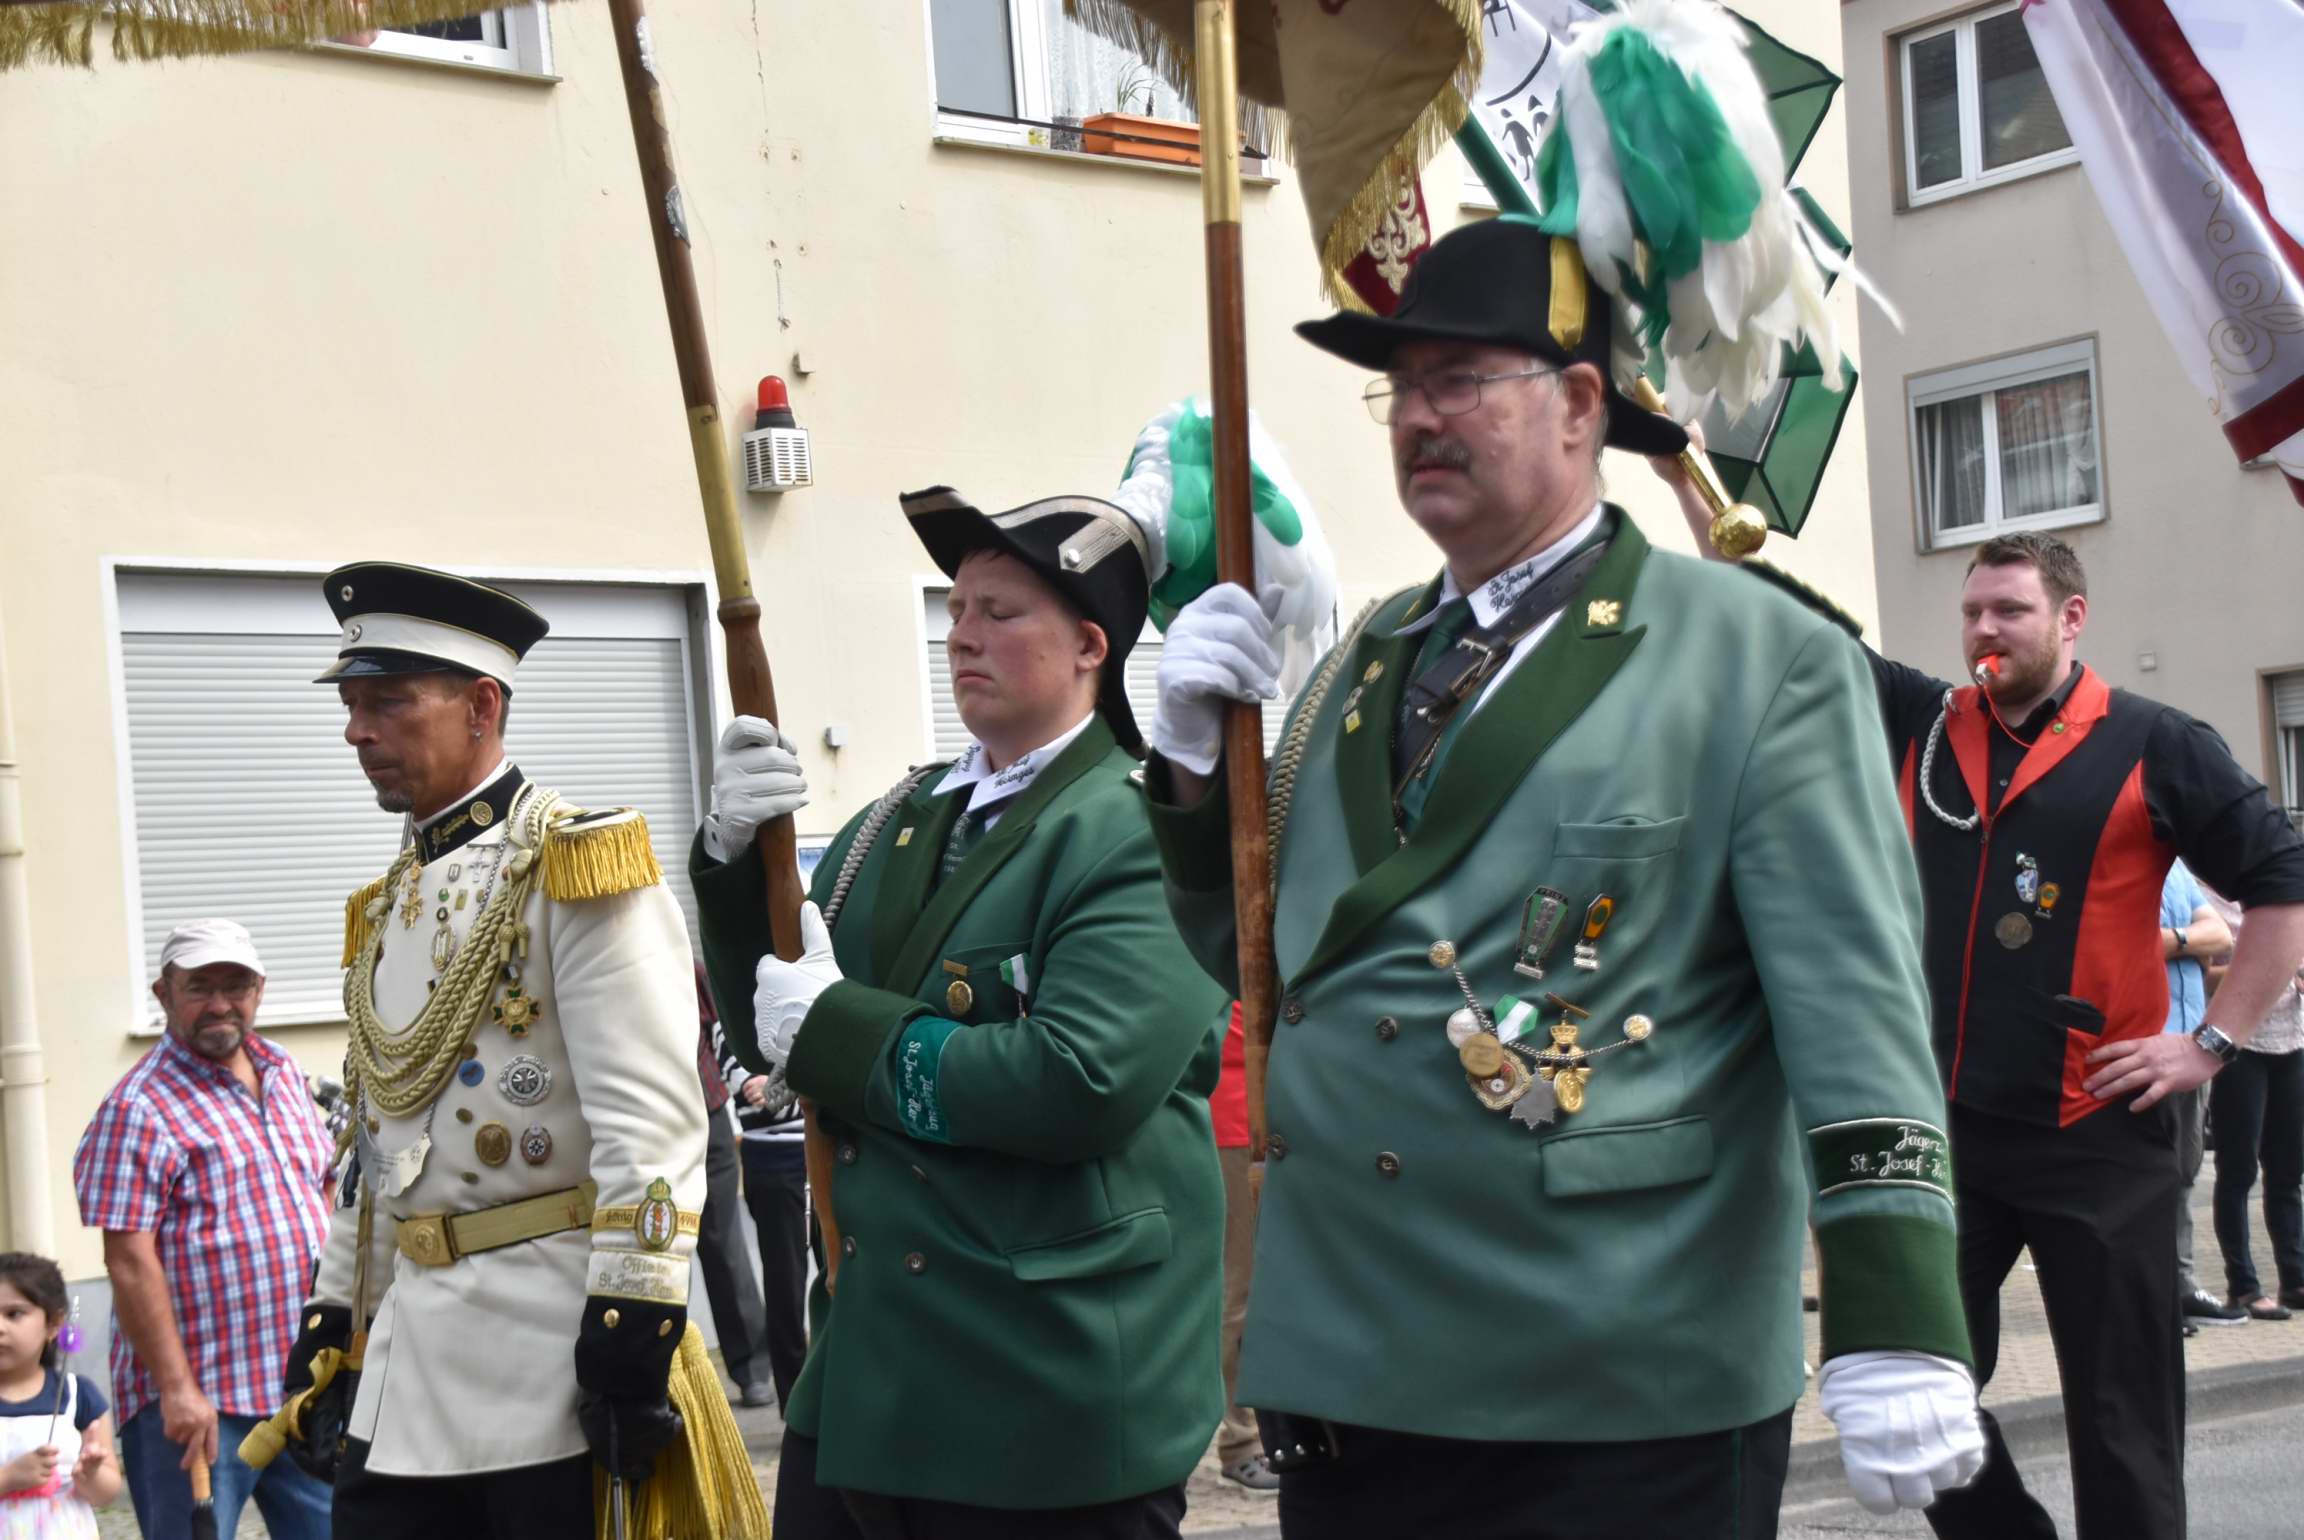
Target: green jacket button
x=1388, y=1164
x=1291, y=1010
x=847, y=1154
x=847, y=1245
x=915, y=1263
x=1276, y=1147
x=1387, y=1028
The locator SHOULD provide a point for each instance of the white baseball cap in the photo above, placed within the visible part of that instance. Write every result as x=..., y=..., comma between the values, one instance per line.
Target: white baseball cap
x=197, y=943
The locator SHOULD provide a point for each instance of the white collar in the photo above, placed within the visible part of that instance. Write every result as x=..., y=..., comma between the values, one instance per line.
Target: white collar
x=1492, y=598
x=972, y=769
x=478, y=787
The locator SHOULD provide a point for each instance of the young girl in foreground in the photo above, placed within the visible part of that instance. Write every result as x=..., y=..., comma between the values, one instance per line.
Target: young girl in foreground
x=57, y=1463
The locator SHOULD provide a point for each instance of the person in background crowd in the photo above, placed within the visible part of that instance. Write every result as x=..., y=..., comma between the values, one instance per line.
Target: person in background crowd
x=205, y=1167
x=2191, y=933
x=56, y=1460
x=1239, y=1450
x=737, y=1310
x=2257, y=1107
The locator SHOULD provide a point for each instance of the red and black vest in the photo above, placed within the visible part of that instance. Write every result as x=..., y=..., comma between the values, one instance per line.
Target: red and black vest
x=2043, y=922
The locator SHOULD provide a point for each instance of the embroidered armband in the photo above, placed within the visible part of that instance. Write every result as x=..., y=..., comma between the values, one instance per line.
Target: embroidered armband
x=655, y=1277
x=1881, y=1152
x=592, y=855
x=919, y=1089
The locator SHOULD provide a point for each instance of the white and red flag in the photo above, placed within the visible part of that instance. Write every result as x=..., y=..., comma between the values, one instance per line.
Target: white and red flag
x=2190, y=124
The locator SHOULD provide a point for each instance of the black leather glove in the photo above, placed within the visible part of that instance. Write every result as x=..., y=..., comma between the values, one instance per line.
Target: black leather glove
x=325, y=1415
x=624, y=1354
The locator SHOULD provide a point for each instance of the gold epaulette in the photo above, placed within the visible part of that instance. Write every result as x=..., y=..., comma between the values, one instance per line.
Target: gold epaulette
x=591, y=855
x=356, y=926
x=1815, y=599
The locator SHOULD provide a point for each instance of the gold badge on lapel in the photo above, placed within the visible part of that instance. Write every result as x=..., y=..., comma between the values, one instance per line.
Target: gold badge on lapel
x=1604, y=612
x=903, y=836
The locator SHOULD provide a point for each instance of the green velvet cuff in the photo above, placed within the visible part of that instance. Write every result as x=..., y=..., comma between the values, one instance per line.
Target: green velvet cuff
x=842, y=1041
x=1195, y=842
x=1892, y=1282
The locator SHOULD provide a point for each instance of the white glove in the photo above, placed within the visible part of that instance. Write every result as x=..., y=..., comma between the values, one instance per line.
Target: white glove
x=1219, y=647
x=755, y=777
x=1907, y=1422
x=782, y=991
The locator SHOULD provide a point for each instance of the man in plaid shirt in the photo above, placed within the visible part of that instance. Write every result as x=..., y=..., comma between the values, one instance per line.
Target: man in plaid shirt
x=206, y=1169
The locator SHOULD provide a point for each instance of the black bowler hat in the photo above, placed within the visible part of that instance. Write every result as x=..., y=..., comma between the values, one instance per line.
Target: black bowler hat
x=411, y=620
x=1503, y=282
x=1087, y=549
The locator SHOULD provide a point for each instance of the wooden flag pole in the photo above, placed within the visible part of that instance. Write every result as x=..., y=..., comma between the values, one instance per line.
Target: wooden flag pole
x=750, y=689
x=1216, y=74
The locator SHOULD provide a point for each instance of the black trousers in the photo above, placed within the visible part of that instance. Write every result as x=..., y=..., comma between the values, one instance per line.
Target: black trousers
x=806, y=1511
x=532, y=1502
x=776, y=1191
x=2258, y=1100
x=1403, y=1486
x=736, y=1306
x=2096, y=1204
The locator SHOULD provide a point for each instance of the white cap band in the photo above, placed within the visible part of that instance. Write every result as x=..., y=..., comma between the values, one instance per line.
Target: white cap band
x=431, y=639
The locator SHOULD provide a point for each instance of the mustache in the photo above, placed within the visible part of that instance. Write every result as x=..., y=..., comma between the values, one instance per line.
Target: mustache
x=1432, y=452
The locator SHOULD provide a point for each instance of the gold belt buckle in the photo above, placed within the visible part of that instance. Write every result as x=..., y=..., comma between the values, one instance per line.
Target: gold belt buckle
x=424, y=1239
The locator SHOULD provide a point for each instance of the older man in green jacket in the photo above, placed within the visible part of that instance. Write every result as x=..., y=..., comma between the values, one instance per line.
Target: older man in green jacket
x=1004, y=1035
x=1598, y=935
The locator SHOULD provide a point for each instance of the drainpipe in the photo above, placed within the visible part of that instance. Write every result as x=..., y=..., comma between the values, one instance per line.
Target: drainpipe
x=23, y=1077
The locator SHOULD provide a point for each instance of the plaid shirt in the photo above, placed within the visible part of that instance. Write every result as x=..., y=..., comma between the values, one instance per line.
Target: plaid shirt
x=234, y=1188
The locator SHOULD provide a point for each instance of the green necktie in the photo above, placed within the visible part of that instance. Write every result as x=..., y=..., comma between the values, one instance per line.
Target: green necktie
x=966, y=834
x=1448, y=628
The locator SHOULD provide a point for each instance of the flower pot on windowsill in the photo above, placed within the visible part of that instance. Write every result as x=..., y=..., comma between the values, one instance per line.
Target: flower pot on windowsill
x=1134, y=137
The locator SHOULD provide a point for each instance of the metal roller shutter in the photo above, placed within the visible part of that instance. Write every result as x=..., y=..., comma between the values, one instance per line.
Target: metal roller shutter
x=247, y=802
x=2288, y=699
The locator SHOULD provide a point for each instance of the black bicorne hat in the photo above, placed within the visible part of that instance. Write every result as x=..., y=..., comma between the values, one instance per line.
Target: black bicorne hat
x=1087, y=549
x=1503, y=282
x=399, y=619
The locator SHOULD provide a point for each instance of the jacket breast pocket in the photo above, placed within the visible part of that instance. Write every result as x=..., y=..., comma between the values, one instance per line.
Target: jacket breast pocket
x=1626, y=841
x=1588, y=1163
x=1131, y=1241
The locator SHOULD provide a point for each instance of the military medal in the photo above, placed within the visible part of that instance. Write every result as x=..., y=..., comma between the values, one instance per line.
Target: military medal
x=1481, y=1055
x=517, y=1012
x=412, y=904
x=2013, y=930
x=1508, y=1085
x=536, y=1144
x=2027, y=879
x=1441, y=954
x=2049, y=893
x=492, y=1142
x=1539, y=930
x=1596, y=918
x=525, y=1080
x=1537, y=1107
x=1462, y=1023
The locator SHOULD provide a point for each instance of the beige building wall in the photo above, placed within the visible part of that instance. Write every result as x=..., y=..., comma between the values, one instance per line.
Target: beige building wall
x=2195, y=566
x=285, y=311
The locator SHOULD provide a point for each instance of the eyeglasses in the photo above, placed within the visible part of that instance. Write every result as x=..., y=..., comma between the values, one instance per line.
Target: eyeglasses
x=201, y=989
x=1452, y=392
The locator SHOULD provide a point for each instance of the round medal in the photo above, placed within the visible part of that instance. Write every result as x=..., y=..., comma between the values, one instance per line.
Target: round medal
x=958, y=997
x=1441, y=954
x=492, y=1142
x=2013, y=931
x=1461, y=1025
x=1481, y=1055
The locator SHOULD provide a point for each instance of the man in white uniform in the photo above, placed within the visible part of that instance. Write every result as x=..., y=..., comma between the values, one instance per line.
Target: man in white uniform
x=529, y=1145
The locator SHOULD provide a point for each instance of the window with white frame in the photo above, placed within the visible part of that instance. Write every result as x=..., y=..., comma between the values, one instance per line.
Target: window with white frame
x=2007, y=444
x=2288, y=729
x=948, y=735
x=1021, y=72
x=515, y=38
x=1976, y=107
x=242, y=799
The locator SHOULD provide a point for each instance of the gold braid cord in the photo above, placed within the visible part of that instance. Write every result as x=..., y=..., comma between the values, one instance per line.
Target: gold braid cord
x=1281, y=786
x=398, y=1073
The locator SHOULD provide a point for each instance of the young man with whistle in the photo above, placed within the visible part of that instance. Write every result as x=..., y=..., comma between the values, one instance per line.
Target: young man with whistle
x=2045, y=808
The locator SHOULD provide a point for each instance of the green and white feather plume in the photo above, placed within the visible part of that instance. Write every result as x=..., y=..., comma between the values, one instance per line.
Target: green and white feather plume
x=1664, y=165
x=1169, y=489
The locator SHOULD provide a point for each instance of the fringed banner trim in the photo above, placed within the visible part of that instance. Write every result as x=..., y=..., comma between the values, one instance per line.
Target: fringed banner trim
x=63, y=33
x=357, y=926
x=703, y=1484
x=595, y=854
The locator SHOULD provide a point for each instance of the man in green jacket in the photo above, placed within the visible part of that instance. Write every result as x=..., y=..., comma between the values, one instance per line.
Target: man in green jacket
x=1598, y=939
x=1007, y=1040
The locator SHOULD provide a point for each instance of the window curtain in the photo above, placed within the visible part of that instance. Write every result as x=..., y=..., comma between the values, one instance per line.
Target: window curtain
x=1088, y=75
x=2047, y=446
x=1951, y=437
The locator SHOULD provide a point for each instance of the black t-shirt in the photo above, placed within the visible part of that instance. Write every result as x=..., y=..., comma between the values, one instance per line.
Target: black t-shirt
x=91, y=1406
x=2216, y=815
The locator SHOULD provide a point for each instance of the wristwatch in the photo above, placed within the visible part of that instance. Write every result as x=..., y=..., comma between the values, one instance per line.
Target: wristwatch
x=2217, y=1043
x=2183, y=943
